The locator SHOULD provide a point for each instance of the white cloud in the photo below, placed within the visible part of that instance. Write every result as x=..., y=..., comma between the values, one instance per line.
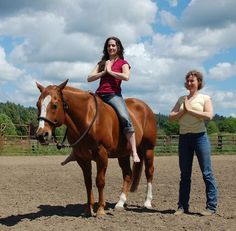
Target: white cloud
x=208, y=13
x=224, y=100
x=177, y=46
x=209, y=25
x=173, y=3
x=7, y=70
x=64, y=39
x=76, y=72
x=168, y=19
x=223, y=71
x=213, y=40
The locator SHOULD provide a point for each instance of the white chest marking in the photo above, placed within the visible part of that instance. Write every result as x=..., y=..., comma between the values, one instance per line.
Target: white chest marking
x=44, y=105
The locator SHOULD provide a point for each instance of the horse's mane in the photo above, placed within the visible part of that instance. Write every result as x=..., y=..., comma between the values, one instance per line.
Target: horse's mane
x=69, y=88
x=75, y=90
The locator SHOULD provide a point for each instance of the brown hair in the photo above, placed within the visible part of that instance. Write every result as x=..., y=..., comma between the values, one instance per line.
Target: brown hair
x=199, y=77
x=105, y=57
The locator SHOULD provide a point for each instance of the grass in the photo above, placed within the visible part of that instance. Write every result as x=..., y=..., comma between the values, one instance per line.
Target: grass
x=166, y=145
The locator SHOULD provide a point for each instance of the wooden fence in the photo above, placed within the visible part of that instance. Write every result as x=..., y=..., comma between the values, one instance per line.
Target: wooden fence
x=225, y=143
x=166, y=145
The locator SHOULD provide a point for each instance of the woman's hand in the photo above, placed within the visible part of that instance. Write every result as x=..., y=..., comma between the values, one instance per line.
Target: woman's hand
x=95, y=74
x=187, y=105
x=108, y=65
x=207, y=112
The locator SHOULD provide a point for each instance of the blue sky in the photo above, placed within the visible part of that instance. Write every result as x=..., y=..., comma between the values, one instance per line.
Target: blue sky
x=49, y=41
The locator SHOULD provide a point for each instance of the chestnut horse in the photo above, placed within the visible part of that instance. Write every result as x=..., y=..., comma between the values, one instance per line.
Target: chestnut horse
x=80, y=110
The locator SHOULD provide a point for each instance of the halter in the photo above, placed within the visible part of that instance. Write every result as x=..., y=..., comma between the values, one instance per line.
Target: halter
x=54, y=125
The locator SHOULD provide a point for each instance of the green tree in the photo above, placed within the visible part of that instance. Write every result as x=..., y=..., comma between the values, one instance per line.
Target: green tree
x=9, y=126
x=171, y=127
x=212, y=127
x=20, y=116
x=60, y=131
x=228, y=125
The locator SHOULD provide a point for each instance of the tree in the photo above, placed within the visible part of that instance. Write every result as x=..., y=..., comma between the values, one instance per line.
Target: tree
x=10, y=128
x=228, y=125
x=20, y=116
x=212, y=127
x=171, y=127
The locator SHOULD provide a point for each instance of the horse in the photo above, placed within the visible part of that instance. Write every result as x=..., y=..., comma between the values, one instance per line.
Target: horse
x=94, y=134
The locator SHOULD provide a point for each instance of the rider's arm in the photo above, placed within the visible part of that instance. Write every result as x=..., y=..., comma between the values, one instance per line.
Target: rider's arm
x=95, y=74
x=124, y=75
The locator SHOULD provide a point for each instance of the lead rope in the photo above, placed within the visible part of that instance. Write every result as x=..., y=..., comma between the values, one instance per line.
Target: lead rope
x=62, y=145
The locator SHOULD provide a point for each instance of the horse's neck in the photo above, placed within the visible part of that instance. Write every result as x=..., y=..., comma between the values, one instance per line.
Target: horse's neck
x=77, y=112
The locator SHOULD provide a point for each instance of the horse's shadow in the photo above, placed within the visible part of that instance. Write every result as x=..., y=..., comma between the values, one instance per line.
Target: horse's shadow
x=72, y=210
x=141, y=209
x=44, y=211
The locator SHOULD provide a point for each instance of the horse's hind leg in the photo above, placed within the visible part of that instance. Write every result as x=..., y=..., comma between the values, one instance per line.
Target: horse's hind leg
x=127, y=174
x=149, y=170
x=86, y=167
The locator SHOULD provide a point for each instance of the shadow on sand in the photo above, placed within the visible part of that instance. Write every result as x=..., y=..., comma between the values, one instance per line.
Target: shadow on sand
x=72, y=210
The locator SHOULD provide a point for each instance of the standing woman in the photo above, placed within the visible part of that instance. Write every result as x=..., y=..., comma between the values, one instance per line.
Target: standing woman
x=112, y=69
x=191, y=111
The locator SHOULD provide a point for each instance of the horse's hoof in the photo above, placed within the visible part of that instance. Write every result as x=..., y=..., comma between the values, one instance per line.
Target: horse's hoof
x=147, y=205
x=119, y=208
x=100, y=212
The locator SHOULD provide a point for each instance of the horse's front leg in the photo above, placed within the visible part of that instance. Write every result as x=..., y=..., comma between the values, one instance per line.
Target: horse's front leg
x=101, y=161
x=127, y=174
x=86, y=167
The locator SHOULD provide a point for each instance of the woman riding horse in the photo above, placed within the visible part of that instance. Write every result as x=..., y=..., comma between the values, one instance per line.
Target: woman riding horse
x=87, y=116
x=111, y=70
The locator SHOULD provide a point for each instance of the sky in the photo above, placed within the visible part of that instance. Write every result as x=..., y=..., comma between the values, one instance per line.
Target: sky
x=48, y=41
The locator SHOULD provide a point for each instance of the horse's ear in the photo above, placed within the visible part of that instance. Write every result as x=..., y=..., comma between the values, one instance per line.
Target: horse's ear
x=40, y=87
x=62, y=85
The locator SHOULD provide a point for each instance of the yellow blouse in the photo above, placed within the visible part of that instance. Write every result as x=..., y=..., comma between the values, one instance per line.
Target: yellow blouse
x=189, y=123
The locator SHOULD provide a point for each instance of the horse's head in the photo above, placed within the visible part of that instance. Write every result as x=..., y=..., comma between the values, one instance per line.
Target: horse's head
x=50, y=111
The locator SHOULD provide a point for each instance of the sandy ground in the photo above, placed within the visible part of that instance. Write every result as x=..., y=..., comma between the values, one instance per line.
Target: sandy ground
x=36, y=193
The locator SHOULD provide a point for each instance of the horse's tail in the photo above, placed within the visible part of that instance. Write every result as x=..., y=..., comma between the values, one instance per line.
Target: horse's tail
x=136, y=175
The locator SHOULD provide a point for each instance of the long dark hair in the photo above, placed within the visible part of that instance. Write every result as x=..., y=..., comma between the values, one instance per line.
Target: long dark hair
x=105, y=57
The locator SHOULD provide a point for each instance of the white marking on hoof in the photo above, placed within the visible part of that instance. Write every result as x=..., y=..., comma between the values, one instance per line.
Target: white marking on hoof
x=148, y=201
x=147, y=204
x=121, y=202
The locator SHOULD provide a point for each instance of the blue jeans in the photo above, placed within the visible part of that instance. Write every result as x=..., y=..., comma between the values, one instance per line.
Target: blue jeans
x=119, y=105
x=198, y=142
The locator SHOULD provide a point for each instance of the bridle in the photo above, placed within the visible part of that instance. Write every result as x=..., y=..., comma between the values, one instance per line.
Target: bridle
x=54, y=124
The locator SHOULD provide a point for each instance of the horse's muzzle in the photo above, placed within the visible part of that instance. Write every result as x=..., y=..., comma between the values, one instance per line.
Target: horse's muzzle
x=44, y=137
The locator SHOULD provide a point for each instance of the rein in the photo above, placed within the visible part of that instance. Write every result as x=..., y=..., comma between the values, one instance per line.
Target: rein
x=54, y=124
x=62, y=145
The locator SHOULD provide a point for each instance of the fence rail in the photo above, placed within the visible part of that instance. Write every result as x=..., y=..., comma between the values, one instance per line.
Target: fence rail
x=166, y=145
x=219, y=144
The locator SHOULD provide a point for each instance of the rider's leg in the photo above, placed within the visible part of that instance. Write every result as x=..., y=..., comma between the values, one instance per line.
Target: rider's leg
x=119, y=104
x=131, y=138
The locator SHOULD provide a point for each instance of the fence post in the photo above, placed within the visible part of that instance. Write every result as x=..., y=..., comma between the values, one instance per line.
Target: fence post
x=220, y=143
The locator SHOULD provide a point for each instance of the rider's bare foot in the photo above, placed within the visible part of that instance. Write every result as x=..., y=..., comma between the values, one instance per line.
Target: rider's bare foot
x=63, y=163
x=70, y=158
x=136, y=158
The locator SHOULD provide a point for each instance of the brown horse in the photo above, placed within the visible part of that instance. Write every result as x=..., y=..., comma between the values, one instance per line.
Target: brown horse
x=80, y=110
